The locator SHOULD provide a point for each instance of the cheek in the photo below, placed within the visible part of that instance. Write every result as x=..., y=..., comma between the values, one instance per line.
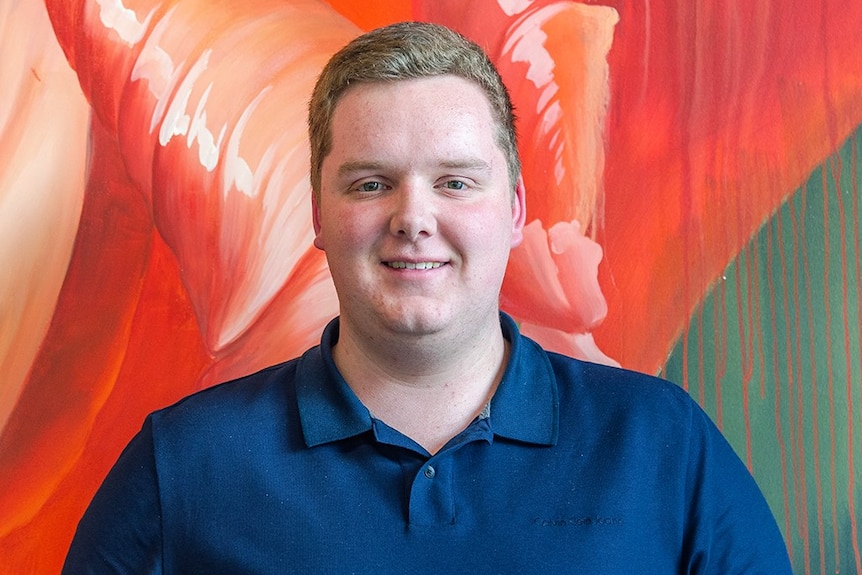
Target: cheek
x=486, y=239
x=491, y=225
x=348, y=231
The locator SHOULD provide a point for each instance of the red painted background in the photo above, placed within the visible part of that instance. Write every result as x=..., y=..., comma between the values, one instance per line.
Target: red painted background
x=667, y=130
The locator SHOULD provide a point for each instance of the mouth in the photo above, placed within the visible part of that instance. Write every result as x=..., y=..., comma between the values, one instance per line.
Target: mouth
x=413, y=265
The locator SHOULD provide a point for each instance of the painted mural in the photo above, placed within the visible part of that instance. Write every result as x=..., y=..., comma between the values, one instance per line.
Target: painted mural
x=693, y=205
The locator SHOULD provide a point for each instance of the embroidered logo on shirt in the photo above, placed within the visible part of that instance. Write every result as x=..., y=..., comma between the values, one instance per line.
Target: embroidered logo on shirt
x=589, y=521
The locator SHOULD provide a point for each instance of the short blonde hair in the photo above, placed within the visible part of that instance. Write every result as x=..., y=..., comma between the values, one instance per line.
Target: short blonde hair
x=404, y=51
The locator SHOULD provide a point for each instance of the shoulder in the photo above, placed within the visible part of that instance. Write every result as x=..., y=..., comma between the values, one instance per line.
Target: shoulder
x=647, y=418
x=255, y=401
x=613, y=388
x=584, y=381
x=243, y=392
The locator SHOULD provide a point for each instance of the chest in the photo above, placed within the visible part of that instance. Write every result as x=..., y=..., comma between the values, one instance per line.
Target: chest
x=482, y=508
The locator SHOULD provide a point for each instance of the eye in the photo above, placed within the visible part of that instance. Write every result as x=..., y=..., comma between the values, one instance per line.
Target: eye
x=456, y=185
x=369, y=187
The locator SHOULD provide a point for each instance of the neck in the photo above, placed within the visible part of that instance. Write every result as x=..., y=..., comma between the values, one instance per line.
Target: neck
x=429, y=388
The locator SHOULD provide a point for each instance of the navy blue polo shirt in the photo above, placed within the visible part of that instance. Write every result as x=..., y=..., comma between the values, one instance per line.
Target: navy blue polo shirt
x=573, y=467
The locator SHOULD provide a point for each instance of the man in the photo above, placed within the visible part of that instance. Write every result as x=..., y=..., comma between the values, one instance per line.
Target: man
x=424, y=433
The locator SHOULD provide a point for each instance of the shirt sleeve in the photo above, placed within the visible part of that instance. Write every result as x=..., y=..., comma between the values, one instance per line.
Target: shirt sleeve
x=121, y=532
x=731, y=527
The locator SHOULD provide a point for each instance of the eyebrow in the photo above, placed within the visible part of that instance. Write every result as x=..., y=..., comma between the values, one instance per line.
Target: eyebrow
x=467, y=164
x=351, y=167
x=348, y=168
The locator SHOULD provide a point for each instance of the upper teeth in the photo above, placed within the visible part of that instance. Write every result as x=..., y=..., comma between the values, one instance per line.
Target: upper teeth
x=414, y=266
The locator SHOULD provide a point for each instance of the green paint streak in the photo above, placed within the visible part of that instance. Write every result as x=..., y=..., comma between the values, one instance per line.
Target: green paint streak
x=779, y=345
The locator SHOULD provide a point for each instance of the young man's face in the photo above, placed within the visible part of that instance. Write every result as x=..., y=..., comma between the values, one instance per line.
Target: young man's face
x=416, y=212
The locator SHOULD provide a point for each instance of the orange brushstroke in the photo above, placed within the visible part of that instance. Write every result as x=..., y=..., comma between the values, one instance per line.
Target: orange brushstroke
x=373, y=13
x=41, y=185
x=83, y=351
x=749, y=102
x=159, y=366
x=718, y=111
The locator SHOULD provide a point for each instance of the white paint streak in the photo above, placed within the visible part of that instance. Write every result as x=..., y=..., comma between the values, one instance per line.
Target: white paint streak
x=512, y=7
x=236, y=170
x=115, y=16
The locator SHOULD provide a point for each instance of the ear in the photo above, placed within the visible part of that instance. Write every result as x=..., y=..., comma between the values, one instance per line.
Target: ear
x=315, y=221
x=519, y=212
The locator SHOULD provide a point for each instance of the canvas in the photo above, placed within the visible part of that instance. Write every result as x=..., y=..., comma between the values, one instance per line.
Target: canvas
x=693, y=211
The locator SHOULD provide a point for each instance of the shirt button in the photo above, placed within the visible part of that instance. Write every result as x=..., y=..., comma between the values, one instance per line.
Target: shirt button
x=430, y=472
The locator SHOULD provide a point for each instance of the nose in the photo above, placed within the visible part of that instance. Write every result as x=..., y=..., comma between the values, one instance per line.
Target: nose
x=413, y=215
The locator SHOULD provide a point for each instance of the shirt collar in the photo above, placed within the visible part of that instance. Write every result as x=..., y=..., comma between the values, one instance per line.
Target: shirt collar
x=524, y=408
x=526, y=404
x=328, y=408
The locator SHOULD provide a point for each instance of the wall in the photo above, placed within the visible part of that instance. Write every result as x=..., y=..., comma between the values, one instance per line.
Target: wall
x=156, y=237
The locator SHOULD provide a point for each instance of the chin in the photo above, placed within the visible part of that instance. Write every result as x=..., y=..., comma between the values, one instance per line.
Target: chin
x=417, y=321
x=416, y=325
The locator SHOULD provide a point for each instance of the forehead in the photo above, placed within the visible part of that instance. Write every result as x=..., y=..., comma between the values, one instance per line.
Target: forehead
x=447, y=114
x=430, y=95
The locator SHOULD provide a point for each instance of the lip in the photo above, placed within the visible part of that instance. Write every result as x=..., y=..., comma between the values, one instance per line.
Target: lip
x=417, y=265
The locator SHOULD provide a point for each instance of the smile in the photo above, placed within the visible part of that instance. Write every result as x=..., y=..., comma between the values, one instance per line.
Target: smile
x=414, y=265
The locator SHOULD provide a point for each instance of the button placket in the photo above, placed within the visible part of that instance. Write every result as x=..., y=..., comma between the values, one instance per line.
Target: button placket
x=431, y=497
x=432, y=492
